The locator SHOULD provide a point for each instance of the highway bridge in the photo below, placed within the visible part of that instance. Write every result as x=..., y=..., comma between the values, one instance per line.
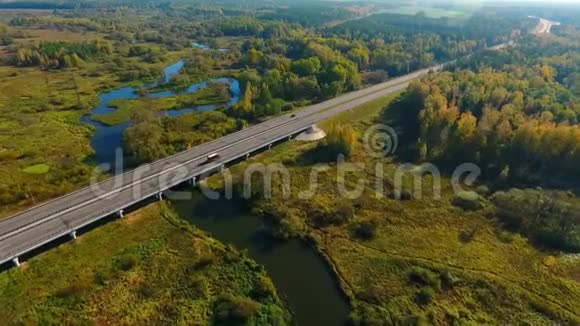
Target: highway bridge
x=63, y=216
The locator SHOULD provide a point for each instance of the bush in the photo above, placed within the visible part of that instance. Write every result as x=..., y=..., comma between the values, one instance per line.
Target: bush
x=424, y=277
x=425, y=295
x=197, y=286
x=448, y=280
x=467, y=236
x=127, y=261
x=289, y=227
x=468, y=200
x=288, y=107
x=340, y=139
x=73, y=290
x=365, y=230
x=374, y=315
x=325, y=217
x=375, y=77
x=344, y=212
x=264, y=288
x=234, y=310
x=103, y=275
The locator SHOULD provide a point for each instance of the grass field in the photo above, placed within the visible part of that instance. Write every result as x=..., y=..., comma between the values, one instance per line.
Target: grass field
x=471, y=269
x=148, y=268
x=48, y=35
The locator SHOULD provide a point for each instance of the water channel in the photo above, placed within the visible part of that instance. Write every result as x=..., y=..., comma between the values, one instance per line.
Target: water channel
x=300, y=274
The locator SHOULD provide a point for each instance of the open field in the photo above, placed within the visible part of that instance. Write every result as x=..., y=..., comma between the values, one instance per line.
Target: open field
x=49, y=35
x=150, y=267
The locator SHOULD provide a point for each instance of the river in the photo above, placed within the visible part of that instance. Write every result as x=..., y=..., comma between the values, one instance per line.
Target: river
x=107, y=140
x=299, y=273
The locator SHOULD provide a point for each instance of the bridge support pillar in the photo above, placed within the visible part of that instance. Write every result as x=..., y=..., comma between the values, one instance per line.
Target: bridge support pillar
x=247, y=156
x=160, y=196
x=193, y=181
x=16, y=261
x=269, y=146
x=121, y=213
x=222, y=167
x=290, y=137
x=73, y=235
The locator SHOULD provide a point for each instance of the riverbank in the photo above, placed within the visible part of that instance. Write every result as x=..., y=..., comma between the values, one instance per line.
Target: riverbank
x=303, y=277
x=149, y=267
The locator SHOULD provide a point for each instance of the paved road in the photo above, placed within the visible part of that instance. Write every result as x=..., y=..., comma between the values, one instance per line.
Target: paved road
x=51, y=220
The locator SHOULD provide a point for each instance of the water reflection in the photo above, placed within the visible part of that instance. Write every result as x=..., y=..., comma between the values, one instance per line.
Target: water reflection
x=107, y=139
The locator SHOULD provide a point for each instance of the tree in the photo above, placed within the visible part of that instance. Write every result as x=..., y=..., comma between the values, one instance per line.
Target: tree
x=340, y=139
x=145, y=138
x=306, y=67
x=360, y=56
x=245, y=106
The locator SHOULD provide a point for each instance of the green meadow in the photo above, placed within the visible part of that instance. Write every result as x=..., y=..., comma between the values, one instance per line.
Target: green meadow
x=150, y=267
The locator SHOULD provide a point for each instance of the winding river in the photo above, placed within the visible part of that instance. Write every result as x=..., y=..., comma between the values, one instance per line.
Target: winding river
x=107, y=140
x=301, y=275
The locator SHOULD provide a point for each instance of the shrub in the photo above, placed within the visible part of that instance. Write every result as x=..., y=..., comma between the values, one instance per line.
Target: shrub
x=448, y=280
x=325, y=217
x=374, y=315
x=340, y=139
x=197, y=286
x=372, y=294
x=467, y=236
x=288, y=107
x=127, y=261
x=424, y=277
x=71, y=291
x=233, y=310
x=103, y=275
x=365, y=230
x=343, y=213
x=264, y=288
x=425, y=295
x=375, y=77
x=146, y=291
x=286, y=224
x=468, y=200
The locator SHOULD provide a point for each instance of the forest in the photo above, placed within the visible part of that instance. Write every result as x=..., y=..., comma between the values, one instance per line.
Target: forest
x=514, y=113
